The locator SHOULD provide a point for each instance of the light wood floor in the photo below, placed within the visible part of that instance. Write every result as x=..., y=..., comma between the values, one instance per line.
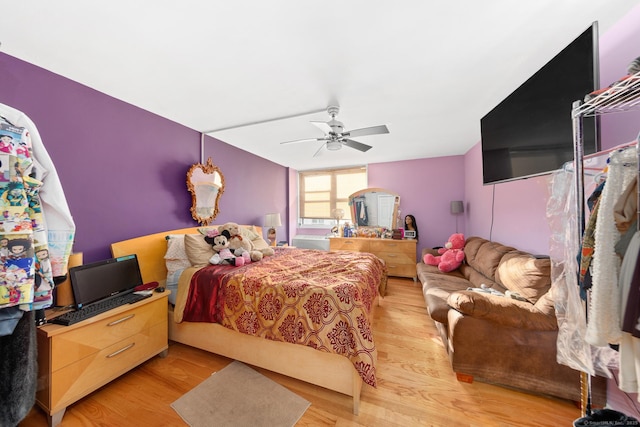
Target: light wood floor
x=416, y=386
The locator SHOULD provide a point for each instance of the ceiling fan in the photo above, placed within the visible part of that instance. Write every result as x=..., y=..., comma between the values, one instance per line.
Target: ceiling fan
x=335, y=135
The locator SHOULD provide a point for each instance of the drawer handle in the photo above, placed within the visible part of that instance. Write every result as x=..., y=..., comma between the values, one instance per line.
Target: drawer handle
x=115, y=322
x=115, y=353
x=392, y=255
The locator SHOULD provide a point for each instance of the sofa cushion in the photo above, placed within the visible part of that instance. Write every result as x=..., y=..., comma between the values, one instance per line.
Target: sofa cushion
x=503, y=310
x=484, y=255
x=525, y=274
x=477, y=279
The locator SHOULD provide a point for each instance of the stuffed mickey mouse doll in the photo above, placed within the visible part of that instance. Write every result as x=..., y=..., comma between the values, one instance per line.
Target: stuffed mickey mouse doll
x=223, y=255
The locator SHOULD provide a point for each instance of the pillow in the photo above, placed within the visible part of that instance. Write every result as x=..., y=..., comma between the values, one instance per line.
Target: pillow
x=198, y=251
x=203, y=230
x=249, y=232
x=176, y=257
x=258, y=242
x=525, y=274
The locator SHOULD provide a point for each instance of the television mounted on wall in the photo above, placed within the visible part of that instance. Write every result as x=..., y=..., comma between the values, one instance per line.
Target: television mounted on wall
x=530, y=132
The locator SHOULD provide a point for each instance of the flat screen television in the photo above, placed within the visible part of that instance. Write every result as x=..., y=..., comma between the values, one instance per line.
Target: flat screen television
x=530, y=132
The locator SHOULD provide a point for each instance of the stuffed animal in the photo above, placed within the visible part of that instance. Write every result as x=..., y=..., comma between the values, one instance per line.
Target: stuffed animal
x=240, y=238
x=220, y=244
x=451, y=256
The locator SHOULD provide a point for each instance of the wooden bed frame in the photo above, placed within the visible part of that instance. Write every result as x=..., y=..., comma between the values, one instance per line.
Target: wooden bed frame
x=327, y=370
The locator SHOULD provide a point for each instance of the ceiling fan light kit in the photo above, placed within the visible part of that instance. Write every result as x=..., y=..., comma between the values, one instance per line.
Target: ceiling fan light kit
x=335, y=135
x=334, y=145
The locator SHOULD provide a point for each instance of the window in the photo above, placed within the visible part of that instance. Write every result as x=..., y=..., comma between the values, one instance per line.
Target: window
x=322, y=191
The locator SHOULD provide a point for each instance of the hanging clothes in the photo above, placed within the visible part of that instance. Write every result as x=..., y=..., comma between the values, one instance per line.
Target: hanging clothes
x=19, y=371
x=630, y=308
x=603, y=327
x=564, y=250
x=588, y=242
x=19, y=201
x=55, y=228
x=36, y=234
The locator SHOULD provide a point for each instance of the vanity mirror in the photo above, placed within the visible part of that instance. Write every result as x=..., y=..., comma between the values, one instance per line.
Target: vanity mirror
x=374, y=207
x=206, y=185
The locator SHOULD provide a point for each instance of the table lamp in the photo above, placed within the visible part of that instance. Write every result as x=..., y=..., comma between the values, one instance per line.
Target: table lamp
x=457, y=208
x=272, y=221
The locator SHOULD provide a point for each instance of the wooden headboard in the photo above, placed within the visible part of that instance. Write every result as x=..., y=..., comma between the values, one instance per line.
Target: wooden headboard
x=150, y=250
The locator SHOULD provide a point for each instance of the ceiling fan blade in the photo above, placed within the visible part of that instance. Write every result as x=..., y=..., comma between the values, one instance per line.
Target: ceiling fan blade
x=323, y=126
x=303, y=140
x=317, y=153
x=373, y=130
x=355, y=144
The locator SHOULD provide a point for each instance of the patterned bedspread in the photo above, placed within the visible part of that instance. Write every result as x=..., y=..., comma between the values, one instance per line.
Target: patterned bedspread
x=315, y=298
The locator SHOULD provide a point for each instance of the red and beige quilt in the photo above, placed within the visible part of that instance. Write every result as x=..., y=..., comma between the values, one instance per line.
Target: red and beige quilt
x=315, y=298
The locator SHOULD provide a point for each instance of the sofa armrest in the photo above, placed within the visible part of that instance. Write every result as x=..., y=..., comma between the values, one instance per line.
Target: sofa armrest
x=431, y=251
x=502, y=310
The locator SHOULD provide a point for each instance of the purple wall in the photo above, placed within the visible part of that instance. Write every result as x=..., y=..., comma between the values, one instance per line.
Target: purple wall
x=426, y=188
x=123, y=169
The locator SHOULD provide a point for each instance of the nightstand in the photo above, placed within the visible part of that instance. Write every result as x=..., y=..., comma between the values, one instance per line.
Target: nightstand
x=78, y=359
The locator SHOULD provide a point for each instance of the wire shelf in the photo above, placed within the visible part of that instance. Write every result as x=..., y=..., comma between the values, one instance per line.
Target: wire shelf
x=622, y=96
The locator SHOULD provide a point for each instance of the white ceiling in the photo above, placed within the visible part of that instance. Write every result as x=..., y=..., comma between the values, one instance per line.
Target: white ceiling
x=428, y=70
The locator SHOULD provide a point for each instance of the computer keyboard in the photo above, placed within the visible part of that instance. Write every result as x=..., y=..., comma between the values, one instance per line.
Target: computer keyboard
x=94, y=309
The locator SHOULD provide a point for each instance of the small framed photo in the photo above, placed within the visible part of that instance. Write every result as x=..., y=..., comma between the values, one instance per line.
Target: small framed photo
x=409, y=234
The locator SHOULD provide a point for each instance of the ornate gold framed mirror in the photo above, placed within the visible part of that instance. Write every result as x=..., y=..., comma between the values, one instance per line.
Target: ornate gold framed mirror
x=206, y=185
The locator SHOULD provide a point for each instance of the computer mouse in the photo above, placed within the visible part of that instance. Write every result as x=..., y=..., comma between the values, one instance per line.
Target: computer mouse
x=159, y=289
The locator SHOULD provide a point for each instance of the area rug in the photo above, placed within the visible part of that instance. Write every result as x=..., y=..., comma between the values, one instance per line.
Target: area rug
x=240, y=396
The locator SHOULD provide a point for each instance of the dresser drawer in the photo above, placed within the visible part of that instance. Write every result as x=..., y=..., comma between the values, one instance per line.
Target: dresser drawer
x=398, y=246
x=78, y=379
x=89, y=339
x=396, y=258
x=356, y=245
x=402, y=270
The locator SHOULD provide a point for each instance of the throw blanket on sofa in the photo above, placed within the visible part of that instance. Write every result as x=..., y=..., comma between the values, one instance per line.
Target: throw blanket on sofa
x=315, y=298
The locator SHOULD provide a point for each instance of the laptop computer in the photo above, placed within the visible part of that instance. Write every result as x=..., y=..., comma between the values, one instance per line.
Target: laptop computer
x=100, y=286
x=106, y=279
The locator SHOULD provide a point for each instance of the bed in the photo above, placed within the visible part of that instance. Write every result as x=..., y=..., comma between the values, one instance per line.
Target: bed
x=335, y=351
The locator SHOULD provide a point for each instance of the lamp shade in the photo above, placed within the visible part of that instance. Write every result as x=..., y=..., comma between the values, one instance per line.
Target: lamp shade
x=457, y=207
x=337, y=213
x=272, y=220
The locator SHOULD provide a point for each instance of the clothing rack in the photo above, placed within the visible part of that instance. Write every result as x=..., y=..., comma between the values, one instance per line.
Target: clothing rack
x=622, y=96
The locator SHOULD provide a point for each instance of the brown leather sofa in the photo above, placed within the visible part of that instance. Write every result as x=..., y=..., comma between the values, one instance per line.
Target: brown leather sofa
x=499, y=339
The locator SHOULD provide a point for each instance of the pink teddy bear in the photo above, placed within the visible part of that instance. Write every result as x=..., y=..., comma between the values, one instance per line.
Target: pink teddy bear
x=451, y=256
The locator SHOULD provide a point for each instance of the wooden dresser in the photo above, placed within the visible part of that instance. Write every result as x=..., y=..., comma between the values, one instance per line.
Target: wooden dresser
x=76, y=360
x=399, y=255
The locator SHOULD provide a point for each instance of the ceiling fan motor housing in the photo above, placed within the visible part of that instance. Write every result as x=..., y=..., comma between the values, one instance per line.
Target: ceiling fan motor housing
x=336, y=126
